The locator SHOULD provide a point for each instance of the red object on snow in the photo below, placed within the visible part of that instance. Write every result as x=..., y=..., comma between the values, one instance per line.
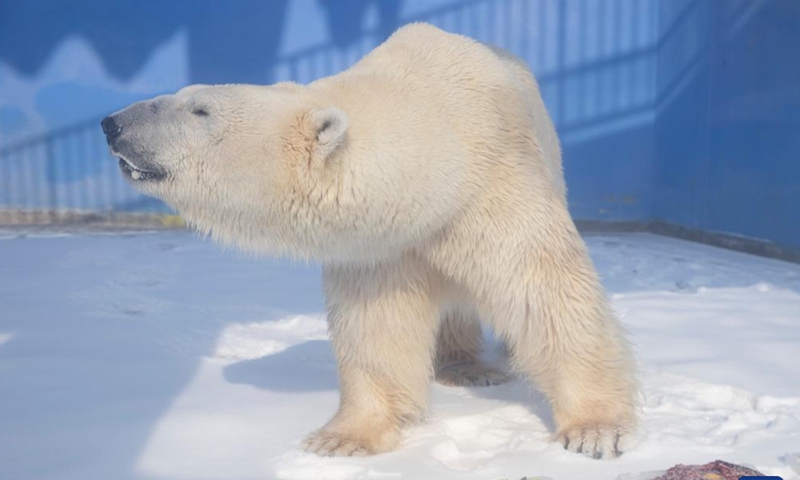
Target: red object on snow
x=716, y=470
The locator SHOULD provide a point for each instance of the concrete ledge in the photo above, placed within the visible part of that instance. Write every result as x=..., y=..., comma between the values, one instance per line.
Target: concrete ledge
x=82, y=221
x=599, y=226
x=753, y=246
x=79, y=220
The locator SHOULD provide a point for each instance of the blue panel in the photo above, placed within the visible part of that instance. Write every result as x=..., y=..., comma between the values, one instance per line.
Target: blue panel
x=754, y=121
x=728, y=151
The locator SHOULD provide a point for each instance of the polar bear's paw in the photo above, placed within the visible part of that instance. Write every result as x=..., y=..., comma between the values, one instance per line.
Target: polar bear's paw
x=332, y=444
x=338, y=442
x=471, y=374
x=597, y=441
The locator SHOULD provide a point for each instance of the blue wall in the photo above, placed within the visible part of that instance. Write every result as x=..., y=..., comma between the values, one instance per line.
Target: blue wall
x=728, y=128
x=660, y=104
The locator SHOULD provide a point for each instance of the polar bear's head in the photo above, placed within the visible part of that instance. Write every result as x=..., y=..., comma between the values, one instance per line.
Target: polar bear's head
x=262, y=167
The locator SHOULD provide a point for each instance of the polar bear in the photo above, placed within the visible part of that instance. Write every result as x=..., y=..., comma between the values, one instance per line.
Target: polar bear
x=427, y=181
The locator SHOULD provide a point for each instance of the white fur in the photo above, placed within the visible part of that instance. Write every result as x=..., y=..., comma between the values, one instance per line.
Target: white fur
x=427, y=179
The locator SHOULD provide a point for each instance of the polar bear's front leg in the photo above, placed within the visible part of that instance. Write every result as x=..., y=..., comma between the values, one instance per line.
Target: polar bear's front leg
x=382, y=323
x=565, y=336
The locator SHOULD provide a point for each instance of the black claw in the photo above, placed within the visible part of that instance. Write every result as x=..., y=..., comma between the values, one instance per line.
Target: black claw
x=580, y=448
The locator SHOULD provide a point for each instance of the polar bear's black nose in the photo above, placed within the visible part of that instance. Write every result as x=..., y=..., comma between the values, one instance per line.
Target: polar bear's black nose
x=111, y=128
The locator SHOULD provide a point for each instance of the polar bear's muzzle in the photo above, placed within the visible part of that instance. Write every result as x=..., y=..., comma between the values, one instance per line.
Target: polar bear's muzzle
x=134, y=162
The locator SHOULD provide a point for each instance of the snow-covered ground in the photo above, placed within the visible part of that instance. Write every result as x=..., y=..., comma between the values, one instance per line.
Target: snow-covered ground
x=157, y=355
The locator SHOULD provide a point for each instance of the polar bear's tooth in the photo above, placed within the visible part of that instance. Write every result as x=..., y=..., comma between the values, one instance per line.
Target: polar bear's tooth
x=135, y=174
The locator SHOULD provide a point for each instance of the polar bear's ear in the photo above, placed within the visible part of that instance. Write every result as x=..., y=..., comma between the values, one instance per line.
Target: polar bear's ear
x=330, y=126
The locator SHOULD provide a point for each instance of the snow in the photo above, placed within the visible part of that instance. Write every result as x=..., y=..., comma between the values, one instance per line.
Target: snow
x=159, y=355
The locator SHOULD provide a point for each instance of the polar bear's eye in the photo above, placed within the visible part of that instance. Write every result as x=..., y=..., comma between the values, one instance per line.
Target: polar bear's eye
x=200, y=112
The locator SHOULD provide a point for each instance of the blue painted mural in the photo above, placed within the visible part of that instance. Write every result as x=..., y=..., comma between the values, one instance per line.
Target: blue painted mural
x=677, y=110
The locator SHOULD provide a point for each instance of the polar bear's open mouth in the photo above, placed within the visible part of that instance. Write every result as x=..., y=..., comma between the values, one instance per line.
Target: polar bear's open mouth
x=137, y=174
